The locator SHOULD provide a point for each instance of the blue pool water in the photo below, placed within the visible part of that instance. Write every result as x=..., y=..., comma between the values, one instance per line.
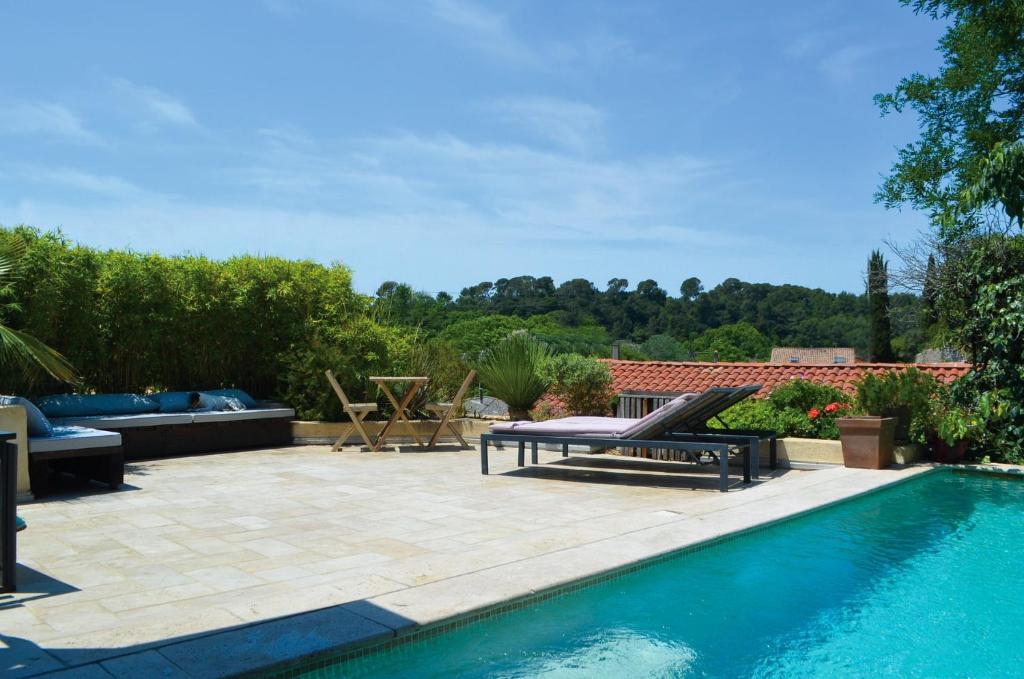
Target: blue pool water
x=921, y=580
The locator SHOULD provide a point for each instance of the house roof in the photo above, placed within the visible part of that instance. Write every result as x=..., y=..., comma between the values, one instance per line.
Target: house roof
x=673, y=377
x=813, y=355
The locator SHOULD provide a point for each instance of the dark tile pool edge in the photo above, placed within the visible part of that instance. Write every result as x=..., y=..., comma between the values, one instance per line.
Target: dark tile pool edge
x=293, y=668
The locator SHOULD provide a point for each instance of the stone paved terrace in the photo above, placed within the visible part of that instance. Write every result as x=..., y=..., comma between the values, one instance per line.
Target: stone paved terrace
x=194, y=568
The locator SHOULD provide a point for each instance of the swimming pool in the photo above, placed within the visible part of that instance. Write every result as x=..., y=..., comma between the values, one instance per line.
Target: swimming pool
x=916, y=580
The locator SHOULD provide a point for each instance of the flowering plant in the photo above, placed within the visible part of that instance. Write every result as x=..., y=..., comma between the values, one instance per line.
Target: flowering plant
x=832, y=409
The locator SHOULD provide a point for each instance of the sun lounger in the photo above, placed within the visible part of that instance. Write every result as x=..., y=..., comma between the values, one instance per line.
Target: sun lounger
x=679, y=425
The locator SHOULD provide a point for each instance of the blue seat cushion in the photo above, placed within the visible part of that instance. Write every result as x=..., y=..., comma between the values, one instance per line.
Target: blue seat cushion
x=80, y=405
x=176, y=401
x=209, y=402
x=38, y=425
x=195, y=401
x=243, y=396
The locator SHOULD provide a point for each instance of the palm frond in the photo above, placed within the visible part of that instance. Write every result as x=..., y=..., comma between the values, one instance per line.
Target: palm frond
x=19, y=348
x=511, y=371
x=12, y=250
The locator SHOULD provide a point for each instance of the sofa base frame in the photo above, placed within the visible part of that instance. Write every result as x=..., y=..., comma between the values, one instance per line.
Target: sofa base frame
x=105, y=465
x=143, y=443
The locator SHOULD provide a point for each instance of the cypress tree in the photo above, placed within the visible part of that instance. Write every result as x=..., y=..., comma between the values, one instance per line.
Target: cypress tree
x=878, y=299
x=929, y=298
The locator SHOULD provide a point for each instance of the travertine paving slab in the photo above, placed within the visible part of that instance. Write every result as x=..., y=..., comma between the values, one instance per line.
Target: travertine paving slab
x=284, y=552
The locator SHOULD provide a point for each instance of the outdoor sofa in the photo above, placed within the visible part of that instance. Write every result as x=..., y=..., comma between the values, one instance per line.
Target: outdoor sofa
x=91, y=435
x=679, y=425
x=176, y=423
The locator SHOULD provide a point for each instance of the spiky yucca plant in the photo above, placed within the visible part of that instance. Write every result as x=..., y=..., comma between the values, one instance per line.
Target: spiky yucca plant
x=18, y=349
x=512, y=371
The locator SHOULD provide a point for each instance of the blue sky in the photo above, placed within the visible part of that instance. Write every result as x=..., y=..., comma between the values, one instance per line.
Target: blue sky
x=447, y=142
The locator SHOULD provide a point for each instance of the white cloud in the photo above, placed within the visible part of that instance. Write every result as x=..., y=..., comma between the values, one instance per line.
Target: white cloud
x=71, y=178
x=847, y=62
x=485, y=30
x=571, y=125
x=485, y=188
x=45, y=119
x=491, y=33
x=157, y=105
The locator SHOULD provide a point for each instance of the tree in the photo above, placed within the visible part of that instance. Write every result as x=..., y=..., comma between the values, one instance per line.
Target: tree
x=663, y=348
x=878, y=296
x=20, y=350
x=974, y=102
x=691, y=288
x=929, y=297
x=735, y=342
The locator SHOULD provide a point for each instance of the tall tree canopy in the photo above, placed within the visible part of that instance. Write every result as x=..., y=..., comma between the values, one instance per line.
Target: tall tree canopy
x=878, y=296
x=975, y=101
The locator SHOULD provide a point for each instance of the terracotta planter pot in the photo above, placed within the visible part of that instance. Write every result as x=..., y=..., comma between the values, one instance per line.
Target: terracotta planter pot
x=948, y=454
x=867, y=442
x=903, y=417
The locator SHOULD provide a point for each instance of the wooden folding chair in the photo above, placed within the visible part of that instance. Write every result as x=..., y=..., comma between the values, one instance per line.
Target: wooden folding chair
x=356, y=411
x=447, y=410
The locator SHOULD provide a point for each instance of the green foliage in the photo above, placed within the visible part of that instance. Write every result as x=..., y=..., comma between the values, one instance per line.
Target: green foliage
x=663, y=348
x=803, y=395
x=19, y=350
x=907, y=394
x=584, y=384
x=358, y=349
x=131, y=321
x=512, y=370
x=797, y=408
x=878, y=297
x=439, y=361
x=983, y=296
x=974, y=102
x=734, y=342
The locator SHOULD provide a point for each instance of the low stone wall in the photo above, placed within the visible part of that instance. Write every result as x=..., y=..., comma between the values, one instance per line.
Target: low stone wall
x=306, y=432
x=818, y=451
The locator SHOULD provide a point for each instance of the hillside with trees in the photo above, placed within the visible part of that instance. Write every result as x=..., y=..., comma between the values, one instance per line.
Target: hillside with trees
x=733, y=321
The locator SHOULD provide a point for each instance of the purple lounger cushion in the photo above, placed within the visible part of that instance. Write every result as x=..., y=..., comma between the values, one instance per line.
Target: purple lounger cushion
x=567, y=426
x=651, y=425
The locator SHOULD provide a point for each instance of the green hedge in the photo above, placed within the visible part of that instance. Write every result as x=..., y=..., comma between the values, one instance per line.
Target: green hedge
x=131, y=321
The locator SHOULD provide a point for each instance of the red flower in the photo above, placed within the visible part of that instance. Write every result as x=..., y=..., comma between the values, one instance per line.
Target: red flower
x=831, y=407
x=813, y=413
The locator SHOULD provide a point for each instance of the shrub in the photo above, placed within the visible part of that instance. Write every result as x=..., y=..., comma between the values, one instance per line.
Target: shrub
x=441, y=362
x=130, y=321
x=360, y=348
x=513, y=372
x=584, y=384
x=796, y=408
x=908, y=395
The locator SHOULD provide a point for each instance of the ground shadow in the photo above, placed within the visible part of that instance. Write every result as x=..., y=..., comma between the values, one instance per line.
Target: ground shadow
x=631, y=473
x=323, y=636
x=33, y=585
x=69, y=488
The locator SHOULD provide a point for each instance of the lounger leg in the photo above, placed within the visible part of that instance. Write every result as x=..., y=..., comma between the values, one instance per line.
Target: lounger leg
x=755, y=457
x=483, y=456
x=533, y=452
x=565, y=450
x=773, y=458
x=723, y=461
x=748, y=454
x=522, y=453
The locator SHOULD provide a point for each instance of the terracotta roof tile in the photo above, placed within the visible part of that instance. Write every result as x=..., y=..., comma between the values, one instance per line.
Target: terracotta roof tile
x=671, y=376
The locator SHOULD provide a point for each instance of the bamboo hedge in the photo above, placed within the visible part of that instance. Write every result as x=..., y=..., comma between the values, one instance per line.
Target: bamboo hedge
x=132, y=321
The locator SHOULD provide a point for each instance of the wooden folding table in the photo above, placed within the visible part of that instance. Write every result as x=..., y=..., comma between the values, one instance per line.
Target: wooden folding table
x=401, y=407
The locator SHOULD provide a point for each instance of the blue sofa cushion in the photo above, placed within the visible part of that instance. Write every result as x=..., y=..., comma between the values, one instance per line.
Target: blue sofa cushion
x=80, y=405
x=243, y=396
x=38, y=425
x=210, y=401
x=176, y=401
